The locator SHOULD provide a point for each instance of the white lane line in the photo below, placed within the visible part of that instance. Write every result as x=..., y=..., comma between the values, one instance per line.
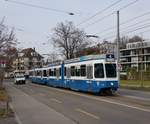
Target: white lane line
x=104, y=100
x=41, y=94
x=135, y=97
x=87, y=113
x=56, y=100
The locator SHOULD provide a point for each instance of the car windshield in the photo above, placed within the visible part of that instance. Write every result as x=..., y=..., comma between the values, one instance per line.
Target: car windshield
x=110, y=70
x=19, y=76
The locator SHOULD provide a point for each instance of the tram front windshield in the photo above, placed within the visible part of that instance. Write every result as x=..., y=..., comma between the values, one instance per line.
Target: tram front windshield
x=110, y=70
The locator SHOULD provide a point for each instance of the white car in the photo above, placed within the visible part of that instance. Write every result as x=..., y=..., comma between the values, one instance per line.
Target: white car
x=19, y=79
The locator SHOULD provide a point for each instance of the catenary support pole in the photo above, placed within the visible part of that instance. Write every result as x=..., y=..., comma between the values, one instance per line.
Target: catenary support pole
x=118, y=46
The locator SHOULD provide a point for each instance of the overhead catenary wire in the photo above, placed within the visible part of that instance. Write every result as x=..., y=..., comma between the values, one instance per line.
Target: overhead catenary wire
x=129, y=31
x=129, y=26
x=125, y=22
x=108, y=15
x=127, y=5
x=101, y=19
x=39, y=7
x=144, y=26
x=145, y=31
x=99, y=12
x=142, y=32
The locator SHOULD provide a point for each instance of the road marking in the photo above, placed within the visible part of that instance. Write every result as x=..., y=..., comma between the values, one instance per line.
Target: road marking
x=32, y=91
x=41, y=94
x=135, y=97
x=98, y=99
x=87, y=113
x=56, y=100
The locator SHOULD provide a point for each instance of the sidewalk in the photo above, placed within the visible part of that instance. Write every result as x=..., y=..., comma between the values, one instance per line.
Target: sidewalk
x=10, y=120
x=30, y=111
x=6, y=114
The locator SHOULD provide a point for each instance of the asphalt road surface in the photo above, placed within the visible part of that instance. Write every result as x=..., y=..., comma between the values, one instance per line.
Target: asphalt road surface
x=126, y=107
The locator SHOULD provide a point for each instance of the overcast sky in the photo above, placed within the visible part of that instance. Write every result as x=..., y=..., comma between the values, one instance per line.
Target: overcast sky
x=36, y=24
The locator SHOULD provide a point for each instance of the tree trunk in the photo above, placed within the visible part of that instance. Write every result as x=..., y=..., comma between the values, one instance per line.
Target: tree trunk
x=1, y=77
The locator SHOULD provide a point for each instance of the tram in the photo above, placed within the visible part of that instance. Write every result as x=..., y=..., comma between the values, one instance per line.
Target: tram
x=92, y=73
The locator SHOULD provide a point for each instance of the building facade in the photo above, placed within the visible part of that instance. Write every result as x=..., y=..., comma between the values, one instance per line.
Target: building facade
x=28, y=59
x=136, y=55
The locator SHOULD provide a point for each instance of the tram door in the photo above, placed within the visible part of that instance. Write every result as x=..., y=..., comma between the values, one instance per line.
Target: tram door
x=89, y=77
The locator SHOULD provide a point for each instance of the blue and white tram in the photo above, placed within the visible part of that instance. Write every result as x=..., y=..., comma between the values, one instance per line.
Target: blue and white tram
x=93, y=73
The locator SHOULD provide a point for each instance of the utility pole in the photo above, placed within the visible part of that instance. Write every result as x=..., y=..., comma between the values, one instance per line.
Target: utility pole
x=118, y=46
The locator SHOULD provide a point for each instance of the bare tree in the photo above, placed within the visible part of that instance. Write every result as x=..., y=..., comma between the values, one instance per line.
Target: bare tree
x=135, y=38
x=7, y=40
x=69, y=39
x=52, y=58
x=123, y=41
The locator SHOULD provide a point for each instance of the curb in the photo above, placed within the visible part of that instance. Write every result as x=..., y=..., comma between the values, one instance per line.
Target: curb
x=16, y=116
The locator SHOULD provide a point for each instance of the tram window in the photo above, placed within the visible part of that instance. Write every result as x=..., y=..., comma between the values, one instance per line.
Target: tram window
x=49, y=72
x=72, y=70
x=59, y=71
x=68, y=72
x=89, y=72
x=44, y=73
x=98, y=71
x=38, y=73
x=30, y=73
x=65, y=71
x=35, y=73
x=78, y=72
x=110, y=70
x=83, y=70
x=54, y=74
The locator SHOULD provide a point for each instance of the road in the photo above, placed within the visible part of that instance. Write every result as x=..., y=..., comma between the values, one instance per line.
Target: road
x=126, y=107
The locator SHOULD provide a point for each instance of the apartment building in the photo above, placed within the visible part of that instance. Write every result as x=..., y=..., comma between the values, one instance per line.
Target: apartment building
x=27, y=59
x=136, y=55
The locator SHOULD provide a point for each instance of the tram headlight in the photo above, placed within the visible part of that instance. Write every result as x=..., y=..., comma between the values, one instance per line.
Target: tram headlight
x=111, y=83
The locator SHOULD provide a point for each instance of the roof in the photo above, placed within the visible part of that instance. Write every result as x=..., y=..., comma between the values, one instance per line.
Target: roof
x=91, y=57
x=29, y=52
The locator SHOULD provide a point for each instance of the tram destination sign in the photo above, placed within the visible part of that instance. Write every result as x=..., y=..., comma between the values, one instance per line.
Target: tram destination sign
x=110, y=57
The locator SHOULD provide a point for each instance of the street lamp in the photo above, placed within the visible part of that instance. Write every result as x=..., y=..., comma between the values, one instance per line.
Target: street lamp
x=90, y=35
x=70, y=13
